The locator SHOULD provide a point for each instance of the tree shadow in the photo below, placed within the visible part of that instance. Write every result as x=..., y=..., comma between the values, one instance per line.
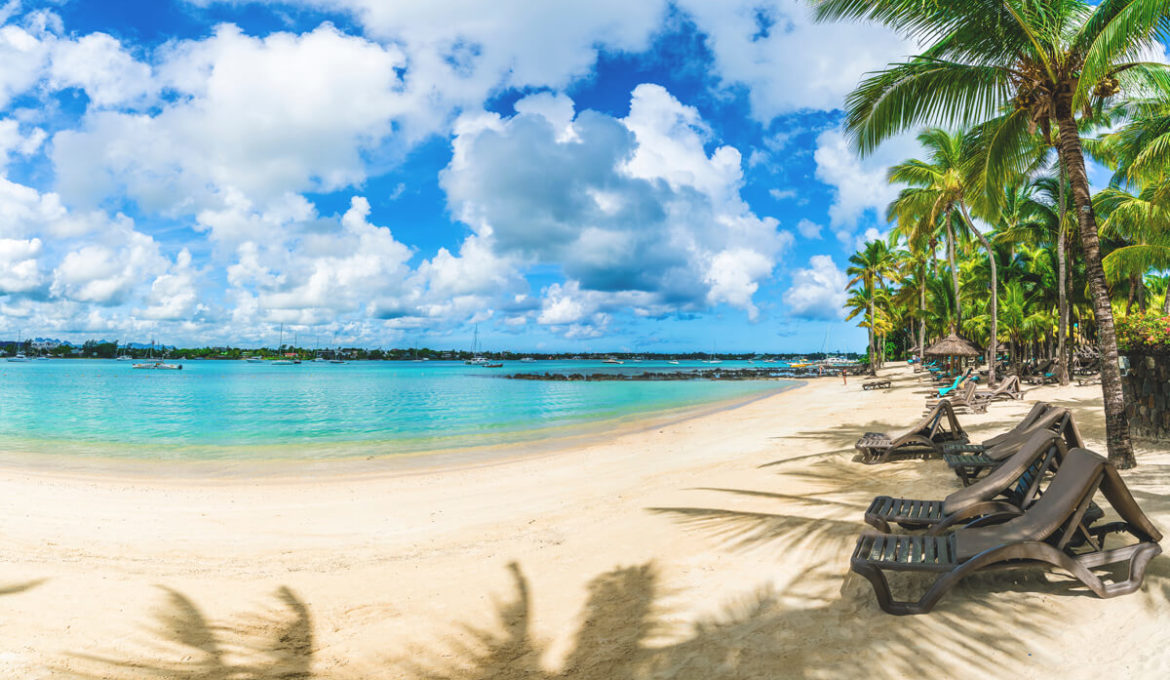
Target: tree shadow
x=16, y=588
x=619, y=616
x=795, y=632
x=268, y=645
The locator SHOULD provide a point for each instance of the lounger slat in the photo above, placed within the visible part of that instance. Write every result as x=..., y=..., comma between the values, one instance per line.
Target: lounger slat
x=929, y=556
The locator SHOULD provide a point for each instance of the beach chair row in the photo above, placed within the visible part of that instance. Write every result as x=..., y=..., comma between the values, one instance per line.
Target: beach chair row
x=1027, y=499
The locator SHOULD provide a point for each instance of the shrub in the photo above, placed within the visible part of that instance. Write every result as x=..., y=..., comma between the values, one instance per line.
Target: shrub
x=1146, y=331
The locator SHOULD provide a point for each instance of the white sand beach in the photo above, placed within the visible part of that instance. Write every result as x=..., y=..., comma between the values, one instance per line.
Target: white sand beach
x=712, y=548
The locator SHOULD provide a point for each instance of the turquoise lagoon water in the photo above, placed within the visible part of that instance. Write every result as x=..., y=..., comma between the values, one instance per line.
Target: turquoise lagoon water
x=216, y=410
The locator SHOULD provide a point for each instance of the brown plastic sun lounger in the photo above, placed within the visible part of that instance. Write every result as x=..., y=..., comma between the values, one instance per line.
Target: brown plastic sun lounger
x=937, y=427
x=882, y=384
x=1007, y=390
x=966, y=398
x=1050, y=533
x=1018, y=480
x=1039, y=409
x=970, y=461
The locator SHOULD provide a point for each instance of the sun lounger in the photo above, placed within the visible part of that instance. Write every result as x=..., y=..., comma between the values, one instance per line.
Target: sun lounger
x=965, y=399
x=969, y=461
x=876, y=384
x=937, y=427
x=1017, y=480
x=1007, y=390
x=1052, y=532
x=1039, y=410
x=1044, y=374
x=944, y=391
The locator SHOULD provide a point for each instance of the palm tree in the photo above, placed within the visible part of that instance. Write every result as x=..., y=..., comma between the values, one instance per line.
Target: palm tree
x=1046, y=62
x=868, y=268
x=858, y=303
x=1141, y=224
x=936, y=191
x=912, y=266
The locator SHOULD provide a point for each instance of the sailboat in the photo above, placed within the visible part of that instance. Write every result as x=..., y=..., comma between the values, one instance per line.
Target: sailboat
x=283, y=361
x=157, y=365
x=476, y=359
x=19, y=356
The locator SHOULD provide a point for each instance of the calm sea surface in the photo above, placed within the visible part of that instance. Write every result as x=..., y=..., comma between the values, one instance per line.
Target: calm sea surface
x=213, y=410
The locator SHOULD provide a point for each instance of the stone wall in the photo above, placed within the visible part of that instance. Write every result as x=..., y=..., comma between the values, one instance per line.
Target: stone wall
x=1147, y=394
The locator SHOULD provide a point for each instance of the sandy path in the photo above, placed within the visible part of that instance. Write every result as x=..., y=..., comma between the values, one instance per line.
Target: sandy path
x=712, y=548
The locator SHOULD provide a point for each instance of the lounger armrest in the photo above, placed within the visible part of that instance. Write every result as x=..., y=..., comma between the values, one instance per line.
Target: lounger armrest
x=987, y=512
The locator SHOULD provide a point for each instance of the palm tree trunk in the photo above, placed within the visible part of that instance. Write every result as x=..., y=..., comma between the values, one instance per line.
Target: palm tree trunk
x=958, y=323
x=993, y=342
x=1062, y=328
x=872, y=349
x=1166, y=302
x=1116, y=425
x=922, y=316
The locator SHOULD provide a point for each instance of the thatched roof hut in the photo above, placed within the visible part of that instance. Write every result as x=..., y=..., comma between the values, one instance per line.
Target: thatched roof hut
x=953, y=346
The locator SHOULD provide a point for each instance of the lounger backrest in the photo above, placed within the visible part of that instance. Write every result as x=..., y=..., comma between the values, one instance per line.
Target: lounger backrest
x=1009, y=386
x=1019, y=476
x=1054, y=420
x=1038, y=410
x=1121, y=500
x=1072, y=434
x=1071, y=487
x=929, y=422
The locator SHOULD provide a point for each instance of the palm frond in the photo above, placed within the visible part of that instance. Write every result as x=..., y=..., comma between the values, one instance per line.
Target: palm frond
x=923, y=92
x=1135, y=260
x=1118, y=31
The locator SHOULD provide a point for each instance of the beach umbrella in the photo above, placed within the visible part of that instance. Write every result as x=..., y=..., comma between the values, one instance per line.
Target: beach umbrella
x=953, y=346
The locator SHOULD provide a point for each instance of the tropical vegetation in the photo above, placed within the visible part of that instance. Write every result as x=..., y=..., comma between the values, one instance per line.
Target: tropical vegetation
x=1009, y=96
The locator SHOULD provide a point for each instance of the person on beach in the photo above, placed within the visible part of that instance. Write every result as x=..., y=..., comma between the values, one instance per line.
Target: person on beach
x=844, y=380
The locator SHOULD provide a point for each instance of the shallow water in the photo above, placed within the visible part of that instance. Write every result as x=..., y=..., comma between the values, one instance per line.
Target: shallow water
x=216, y=410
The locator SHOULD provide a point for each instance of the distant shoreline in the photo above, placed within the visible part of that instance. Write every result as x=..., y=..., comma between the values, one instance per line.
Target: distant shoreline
x=697, y=374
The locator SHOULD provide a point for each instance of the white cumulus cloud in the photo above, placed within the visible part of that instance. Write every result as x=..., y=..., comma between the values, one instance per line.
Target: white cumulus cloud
x=818, y=291
x=635, y=211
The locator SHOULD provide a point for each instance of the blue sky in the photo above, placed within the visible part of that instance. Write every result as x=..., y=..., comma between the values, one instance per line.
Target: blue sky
x=577, y=176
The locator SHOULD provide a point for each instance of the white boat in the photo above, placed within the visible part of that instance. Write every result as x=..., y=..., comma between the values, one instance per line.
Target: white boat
x=336, y=361
x=476, y=360
x=287, y=361
x=124, y=357
x=19, y=356
x=254, y=360
x=157, y=364
x=611, y=360
x=488, y=364
x=673, y=362
x=160, y=365
x=527, y=360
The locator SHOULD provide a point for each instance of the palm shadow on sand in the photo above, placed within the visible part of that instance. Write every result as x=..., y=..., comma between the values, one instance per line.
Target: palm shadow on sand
x=270, y=645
